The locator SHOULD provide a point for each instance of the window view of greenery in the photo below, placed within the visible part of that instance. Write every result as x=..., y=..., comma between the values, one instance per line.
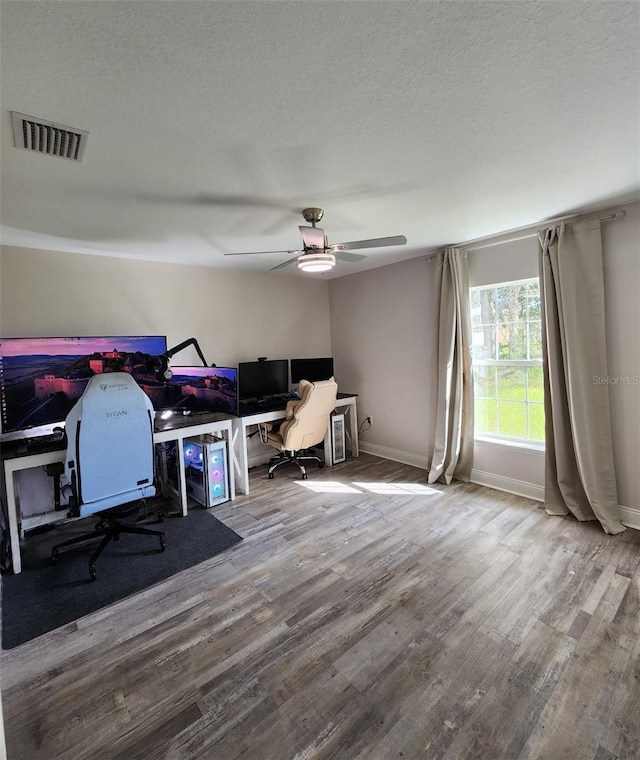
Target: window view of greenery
x=507, y=360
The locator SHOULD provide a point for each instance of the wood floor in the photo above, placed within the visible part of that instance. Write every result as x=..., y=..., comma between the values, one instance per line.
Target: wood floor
x=365, y=616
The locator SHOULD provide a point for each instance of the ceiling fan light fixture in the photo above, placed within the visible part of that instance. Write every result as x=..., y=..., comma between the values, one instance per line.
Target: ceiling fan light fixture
x=322, y=261
x=317, y=255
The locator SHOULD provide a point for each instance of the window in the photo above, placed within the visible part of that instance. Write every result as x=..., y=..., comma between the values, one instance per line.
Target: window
x=507, y=361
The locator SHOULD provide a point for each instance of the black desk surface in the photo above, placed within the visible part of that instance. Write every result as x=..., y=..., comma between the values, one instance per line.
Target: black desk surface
x=248, y=408
x=15, y=449
x=177, y=420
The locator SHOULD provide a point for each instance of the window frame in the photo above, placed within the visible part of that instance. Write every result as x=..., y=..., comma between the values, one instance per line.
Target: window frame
x=501, y=438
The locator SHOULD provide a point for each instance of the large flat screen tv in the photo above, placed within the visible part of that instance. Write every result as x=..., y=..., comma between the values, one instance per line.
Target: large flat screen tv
x=198, y=390
x=42, y=378
x=311, y=369
x=262, y=379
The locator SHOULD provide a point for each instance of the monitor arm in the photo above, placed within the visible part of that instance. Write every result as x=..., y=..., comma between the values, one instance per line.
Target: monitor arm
x=164, y=372
x=188, y=342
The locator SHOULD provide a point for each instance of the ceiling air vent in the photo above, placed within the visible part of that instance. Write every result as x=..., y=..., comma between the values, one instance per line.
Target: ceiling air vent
x=47, y=137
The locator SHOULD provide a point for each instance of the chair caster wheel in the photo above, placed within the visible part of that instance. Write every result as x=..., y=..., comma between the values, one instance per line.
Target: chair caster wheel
x=271, y=476
x=54, y=555
x=163, y=545
x=160, y=517
x=92, y=571
x=305, y=476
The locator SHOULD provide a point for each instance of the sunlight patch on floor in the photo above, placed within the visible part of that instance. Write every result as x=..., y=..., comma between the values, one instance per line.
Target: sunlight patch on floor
x=327, y=486
x=335, y=486
x=405, y=488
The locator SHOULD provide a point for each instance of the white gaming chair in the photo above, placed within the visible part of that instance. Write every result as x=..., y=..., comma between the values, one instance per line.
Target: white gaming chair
x=110, y=458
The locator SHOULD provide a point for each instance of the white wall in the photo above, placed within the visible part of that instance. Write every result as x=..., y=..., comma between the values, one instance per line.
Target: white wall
x=503, y=262
x=234, y=316
x=383, y=342
x=383, y=337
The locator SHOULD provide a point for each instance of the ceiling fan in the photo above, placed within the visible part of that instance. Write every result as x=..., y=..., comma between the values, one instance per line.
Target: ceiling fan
x=316, y=254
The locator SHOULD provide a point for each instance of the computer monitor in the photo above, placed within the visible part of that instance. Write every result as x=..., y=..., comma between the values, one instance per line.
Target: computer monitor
x=42, y=378
x=258, y=380
x=199, y=390
x=311, y=369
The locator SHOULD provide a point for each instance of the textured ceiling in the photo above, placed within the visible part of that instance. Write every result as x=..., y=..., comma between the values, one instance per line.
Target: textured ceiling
x=212, y=124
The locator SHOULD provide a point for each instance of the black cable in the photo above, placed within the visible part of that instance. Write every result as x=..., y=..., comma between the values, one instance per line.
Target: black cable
x=362, y=429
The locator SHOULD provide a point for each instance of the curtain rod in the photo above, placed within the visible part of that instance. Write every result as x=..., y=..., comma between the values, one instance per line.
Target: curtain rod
x=489, y=240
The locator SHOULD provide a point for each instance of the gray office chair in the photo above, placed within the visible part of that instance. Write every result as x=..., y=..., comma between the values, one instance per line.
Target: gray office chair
x=110, y=459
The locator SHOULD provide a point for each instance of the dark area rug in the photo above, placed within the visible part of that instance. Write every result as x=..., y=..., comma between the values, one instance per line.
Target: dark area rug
x=46, y=595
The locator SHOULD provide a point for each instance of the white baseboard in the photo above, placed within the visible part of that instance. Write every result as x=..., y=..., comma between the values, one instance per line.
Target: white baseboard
x=630, y=517
x=395, y=455
x=510, y=485
x=500, y=483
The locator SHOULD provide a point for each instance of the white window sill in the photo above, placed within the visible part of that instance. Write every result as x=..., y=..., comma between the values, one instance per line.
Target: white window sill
x=537, y=449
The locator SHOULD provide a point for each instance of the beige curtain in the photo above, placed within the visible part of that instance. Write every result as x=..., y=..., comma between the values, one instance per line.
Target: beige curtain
x=579, y=472
x=453, y=440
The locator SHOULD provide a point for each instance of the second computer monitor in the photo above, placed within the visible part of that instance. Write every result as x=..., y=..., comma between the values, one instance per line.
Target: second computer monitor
x=202, y=390
x=261, y=379
x=311, y=369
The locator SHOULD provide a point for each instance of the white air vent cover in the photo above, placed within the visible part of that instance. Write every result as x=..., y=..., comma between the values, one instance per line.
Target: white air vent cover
x=46, y=137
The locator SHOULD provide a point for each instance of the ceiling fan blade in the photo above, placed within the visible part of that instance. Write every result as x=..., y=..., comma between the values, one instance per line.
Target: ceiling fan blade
x=374, y=243
x=312, y=237
x=254, y=253
x=350, y=257
x=284, y=264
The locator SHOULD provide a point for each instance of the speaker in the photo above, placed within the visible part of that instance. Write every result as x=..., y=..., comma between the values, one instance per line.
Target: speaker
x=206, y=469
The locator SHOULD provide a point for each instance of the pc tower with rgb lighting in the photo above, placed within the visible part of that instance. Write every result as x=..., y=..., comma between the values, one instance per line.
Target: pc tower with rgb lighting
x=206, y=470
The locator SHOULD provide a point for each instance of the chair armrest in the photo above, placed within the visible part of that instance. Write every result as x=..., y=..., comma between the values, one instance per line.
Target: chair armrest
x=291, y=408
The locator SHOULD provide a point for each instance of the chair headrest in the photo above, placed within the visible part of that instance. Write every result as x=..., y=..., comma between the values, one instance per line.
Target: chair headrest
x=318, y=394
x=112, y=395
x=306, y=385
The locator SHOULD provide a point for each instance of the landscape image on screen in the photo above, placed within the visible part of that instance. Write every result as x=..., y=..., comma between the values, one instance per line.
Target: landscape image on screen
x=42, y=378
x=202, y=389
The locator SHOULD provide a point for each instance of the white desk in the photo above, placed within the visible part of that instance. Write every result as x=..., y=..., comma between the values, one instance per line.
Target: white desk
x=166, y=432
x=240, y=425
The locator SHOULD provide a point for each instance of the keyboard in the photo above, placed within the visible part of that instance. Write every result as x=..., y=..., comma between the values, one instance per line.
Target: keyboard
x=271, y=404
x=39, y=443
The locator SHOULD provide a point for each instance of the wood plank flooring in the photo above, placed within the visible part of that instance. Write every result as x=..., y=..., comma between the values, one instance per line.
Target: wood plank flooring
x=366, y=616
